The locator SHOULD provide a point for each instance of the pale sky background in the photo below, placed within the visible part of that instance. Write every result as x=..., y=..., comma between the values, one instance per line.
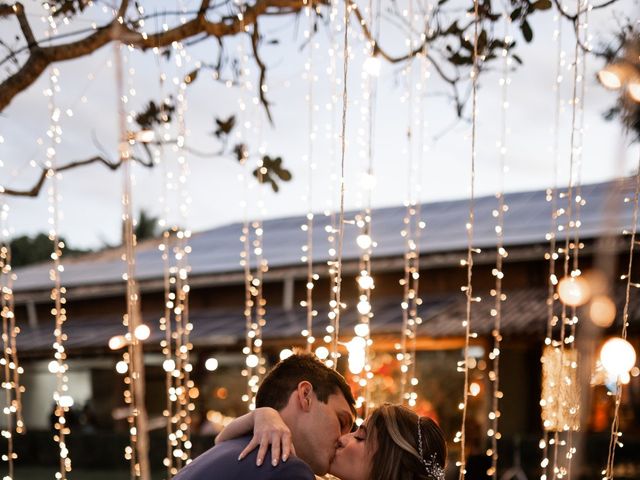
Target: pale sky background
x=91, y=195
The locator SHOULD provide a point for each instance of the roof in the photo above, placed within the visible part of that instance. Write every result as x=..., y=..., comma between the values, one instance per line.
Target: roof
x=217, y=251
x=524, y=314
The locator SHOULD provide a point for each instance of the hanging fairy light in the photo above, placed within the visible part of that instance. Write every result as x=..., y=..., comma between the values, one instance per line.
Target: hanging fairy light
x=138, y=449
x=618, y=355
x=58, y=291
x=501, y=254
x=412, y=223
x=307, y=227
x=552, y=197
x=463, y=366
x=9, y=361
x=331, y=228
x=175, y=321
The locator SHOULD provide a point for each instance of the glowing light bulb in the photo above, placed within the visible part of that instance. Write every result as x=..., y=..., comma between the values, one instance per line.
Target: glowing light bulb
x=142, y=332
x=602, y=311
x=364, y=241
x=364, y=307
x=610, y=78
x=634, y=90
x=285, y=353
x=145, y=136
x=54, y=366
x=362, y=329
x=574, y=291
x=322, y=353
x=474, y=389
x=122, y=367
x=252, y=361
x=617, y=356
x=211, y=364
x=117, y=342
x=169, y=365
x=66, y=401
x=365, y=281
x=356, y=349
x=372, y=66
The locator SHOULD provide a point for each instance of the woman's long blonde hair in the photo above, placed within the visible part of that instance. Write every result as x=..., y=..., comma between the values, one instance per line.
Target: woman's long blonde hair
x=392, y=433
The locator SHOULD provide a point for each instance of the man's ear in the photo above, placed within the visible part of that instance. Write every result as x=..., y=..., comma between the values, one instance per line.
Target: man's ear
x=304, y=395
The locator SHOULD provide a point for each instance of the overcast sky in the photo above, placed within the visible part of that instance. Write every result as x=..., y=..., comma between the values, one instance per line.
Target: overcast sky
x=91, y=195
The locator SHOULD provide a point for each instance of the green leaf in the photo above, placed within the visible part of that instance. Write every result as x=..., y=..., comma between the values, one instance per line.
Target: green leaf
x=191, y=76
x=527, y=33
x=541, y=5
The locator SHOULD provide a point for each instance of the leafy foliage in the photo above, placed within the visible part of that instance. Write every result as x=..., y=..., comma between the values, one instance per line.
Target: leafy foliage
x=67, y=8
x=26, y=250
x=155, y=114
x=271, y=171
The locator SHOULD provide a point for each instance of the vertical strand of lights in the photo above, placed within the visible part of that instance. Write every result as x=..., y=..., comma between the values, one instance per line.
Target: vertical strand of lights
x=307, y=227
x=552, y=255
x=411, y=235
x=59, y=365
x=251, y=360
x=165, y=323
x=362, y=344
x=501, y=254
x=461, y=436
x=332, y=139
x=616, y=434
x=566, y=408
x=579, y=201
x=182, y=384
x=12, y=369
x=137, y=451
x=343, y=147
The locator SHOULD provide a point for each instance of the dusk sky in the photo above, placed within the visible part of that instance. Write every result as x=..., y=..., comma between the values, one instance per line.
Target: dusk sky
x=91, y=195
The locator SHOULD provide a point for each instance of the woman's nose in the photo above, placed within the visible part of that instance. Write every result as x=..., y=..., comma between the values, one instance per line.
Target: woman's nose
x=343, y=441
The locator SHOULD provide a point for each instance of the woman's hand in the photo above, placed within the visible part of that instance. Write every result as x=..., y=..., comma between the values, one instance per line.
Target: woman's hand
x=269, y=429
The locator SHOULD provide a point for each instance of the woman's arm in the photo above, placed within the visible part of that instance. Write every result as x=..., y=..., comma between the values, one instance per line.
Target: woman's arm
x=268, y=430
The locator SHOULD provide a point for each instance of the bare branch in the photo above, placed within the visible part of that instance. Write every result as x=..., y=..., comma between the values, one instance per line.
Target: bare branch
x=41, y=57
x=45, y=173
x=255, y=38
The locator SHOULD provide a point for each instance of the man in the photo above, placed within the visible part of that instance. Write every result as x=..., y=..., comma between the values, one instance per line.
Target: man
x=315, y=403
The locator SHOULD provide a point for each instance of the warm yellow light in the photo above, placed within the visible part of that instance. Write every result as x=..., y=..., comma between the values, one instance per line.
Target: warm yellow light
x=285, y=353
x=617, y=356
x=362, y=329
x=364, y=307
x=574, y=291
x=365, y=281
x=252, y=361
x=145, y=136
x=122, y=367
x=211, y=364
x=364, y=241
x=474, y=389
x=372, y=66
x=194, y=392
x=634, y=90
x=142, y=332
x=54, y=366
x=117, y=342
x=610, y=78
x=322, y=353
x=602, y=311
x=169, y=365
x=66, y=401
x=356, y=348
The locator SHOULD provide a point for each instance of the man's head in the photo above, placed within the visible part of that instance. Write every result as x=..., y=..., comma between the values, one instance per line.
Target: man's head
x=315, y=403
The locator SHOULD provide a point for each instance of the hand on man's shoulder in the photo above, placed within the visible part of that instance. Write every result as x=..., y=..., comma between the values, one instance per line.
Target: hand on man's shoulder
x=221, y=463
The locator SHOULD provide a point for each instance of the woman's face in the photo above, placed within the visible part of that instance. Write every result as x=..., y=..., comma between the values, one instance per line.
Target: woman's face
x=353, y=457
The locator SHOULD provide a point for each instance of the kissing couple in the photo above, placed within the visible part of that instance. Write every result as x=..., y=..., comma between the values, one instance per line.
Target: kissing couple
x=302, y=425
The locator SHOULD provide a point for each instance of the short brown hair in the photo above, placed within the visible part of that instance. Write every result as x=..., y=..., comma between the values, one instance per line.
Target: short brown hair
x=393, y=436
x=283, y=379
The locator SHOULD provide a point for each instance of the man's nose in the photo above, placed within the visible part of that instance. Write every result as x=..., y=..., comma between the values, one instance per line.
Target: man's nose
x=343, y=441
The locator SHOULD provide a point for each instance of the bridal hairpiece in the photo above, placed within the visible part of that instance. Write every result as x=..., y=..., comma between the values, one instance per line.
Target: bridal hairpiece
x=431, y=465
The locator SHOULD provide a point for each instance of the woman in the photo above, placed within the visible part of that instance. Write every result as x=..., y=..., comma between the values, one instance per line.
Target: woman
x=392, y=443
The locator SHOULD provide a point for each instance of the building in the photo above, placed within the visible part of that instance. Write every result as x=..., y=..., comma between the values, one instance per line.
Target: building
x=95, y=294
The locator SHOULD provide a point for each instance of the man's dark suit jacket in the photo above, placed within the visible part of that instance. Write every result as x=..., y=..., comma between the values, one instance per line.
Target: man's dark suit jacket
x=221, y=463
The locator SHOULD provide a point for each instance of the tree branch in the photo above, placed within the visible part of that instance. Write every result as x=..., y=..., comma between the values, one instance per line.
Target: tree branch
x=255, y=38
x=35, y=190
x=41, y=57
